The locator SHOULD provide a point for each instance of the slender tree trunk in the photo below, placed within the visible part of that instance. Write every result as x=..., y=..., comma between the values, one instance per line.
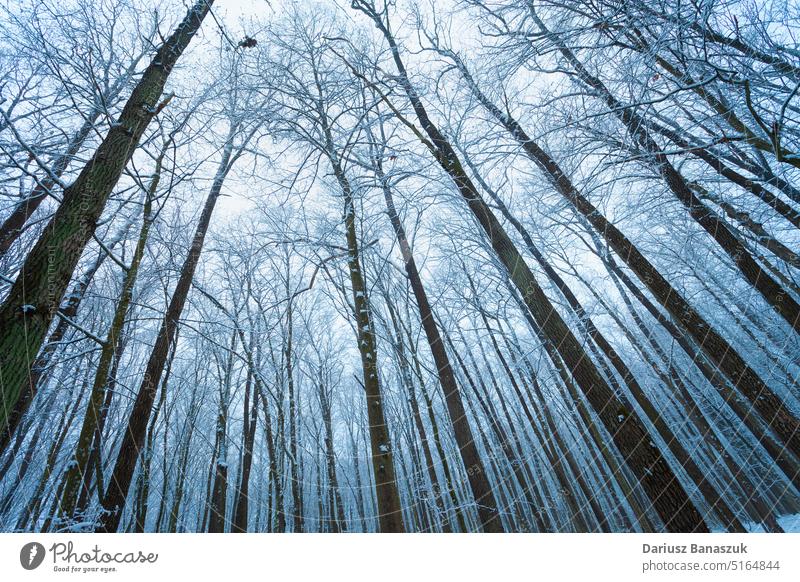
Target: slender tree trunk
x=219, y=496
x=414, y=412
x=340, y=522
x=90, y=434
x=275, y=478
x=33, y=509
x=390, y=515
x=476, y=472
x=177, y=498
x=210, y=480
x=26, y=460
x=294, y=474
x=449, y=481
x=359, y=490
x=240, y=515
x=114, y=498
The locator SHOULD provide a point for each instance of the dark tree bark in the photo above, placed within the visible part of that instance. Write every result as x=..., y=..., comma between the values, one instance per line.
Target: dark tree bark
x=773, y=293
x=217, y=521
x=241, y=509
x=34, y=298
x=114, y=498
x=335, y=494
x=763, y=399
x=476, y=472
x=90, y=435
x=294, y=463
x=390, y=514
x=648, y=464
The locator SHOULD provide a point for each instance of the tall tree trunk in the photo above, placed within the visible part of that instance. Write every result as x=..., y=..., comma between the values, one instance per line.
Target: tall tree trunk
x=90, y=435
x=449, y=482
x=240, y=515
x=772, y=409
x=275, y=478
x=117, y=491
x=408, y=384
x=648, y=464
x=390, y=515
x=34, y=298
x=476, y=472
x=219, y=495
x=294, y=462
x=339, y=520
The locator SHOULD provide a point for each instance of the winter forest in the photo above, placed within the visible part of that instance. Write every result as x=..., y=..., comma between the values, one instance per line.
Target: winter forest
x=399, y=266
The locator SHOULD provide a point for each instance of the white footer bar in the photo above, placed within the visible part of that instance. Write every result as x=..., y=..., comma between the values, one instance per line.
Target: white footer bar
x=403, y=557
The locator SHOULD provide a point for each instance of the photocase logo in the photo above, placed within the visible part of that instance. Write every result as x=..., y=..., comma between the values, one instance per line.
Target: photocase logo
x=31, y=555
